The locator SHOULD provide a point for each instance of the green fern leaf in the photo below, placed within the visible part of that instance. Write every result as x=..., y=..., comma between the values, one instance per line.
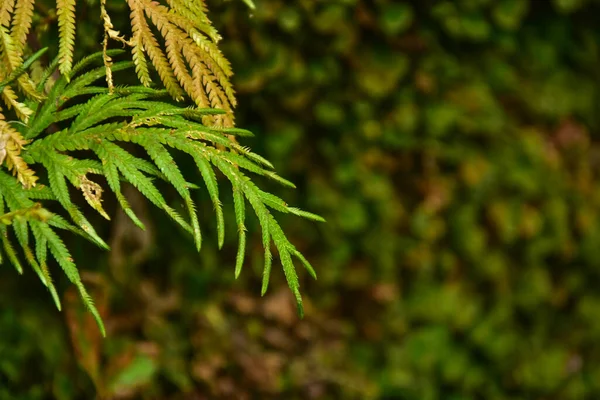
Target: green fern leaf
x=102, y=125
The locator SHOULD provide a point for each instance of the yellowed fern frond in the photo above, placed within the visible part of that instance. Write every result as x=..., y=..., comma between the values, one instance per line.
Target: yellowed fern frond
x=176, y=35
x=9, y=60
x=139, y=59
x=148, y=43
x=179, y=68
x=190, y=59
x=12, y=101
x=65, y=10
x=21, y=23
x=198, y=10
x=221, y=64
x=12, y=45
x=6, y=9
x=11, y=144
x=197, y=71
x=8, y=50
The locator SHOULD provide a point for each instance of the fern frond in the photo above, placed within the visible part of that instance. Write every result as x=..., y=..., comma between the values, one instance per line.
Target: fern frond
x=12, y=101
x=24, y=212
x=156, y=126
x=191, y=59
x=8, y=50
x=19, y=220
x=9, y=250
x=109, y=118
x=144, y=41
x=6, y=9
x=12, y=46
x=189, y=62
x=11, y=145
x=21, y=23
x=61, y=254
x=240, y=216
x=22, y=69
x=65, y=11
x=139, y=59
x=210, y=181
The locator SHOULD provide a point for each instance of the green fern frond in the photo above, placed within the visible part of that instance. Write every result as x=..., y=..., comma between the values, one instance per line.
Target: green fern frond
x=104, y=123
x=240, y=216
x=74, y=112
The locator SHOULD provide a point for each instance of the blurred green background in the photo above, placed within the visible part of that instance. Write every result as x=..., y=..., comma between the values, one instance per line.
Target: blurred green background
x=452, y=147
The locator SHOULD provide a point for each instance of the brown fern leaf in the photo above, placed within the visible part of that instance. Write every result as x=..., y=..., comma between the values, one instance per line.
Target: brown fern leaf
x=93, y=194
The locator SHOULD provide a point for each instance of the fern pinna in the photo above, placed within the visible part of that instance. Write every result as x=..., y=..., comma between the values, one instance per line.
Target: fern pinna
x=73, y=111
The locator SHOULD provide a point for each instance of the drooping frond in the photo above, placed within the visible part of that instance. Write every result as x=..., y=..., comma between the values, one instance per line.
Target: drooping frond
x=27, y=216
x=177, y=39
x=100, y=121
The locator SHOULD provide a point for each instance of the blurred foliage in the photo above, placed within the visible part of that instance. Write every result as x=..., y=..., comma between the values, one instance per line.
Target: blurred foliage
x=452, y=147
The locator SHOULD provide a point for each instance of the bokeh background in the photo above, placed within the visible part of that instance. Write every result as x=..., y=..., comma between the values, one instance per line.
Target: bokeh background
x=452, y=147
